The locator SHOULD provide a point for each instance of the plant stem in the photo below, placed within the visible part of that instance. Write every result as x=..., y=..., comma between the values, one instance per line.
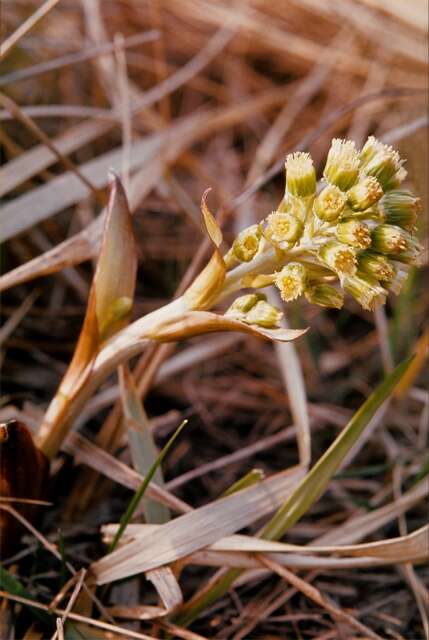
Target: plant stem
x=127, y=343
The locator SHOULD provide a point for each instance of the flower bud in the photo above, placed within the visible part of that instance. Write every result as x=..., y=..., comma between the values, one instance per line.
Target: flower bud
x=355, y=233
x=243, y=304
x=330, y=203
x=390, y=239
x=364, y=194
x=264, y=314
x=325, y=296
x=339, y=257
x=366, y=291
x=253, y=308
x=300, y=175
x=396, y=180
x=376, y=265
x=291, y=281
x=283, y=228
x=246, y=244
x=401, y=208
x=382, y=162
x=342, y=164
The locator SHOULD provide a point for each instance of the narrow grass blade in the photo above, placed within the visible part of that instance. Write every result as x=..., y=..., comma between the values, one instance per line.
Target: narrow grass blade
x=10, y=584
x=293, y=378
x=142, y=446
x=135, y=501
x=421, y=350
x=304, y=495
x=253, y=477
x=316, y=481
x=172, y=541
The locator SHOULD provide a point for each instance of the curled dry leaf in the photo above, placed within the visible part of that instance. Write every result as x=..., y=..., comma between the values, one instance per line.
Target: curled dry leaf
x=212, y=226
x=108, y=310
x=193, y=323
x=206, y=287
x=115, y=276
x=23, y=475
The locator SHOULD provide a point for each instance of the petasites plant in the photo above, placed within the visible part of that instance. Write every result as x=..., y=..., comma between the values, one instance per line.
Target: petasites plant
x=354, y=234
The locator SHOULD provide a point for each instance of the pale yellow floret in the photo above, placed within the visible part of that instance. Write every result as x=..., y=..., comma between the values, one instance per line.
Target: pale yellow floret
x=291, y=281
x=283, y=227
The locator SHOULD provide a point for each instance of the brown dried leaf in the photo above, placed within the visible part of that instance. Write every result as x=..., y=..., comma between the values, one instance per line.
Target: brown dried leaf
x=115, y=276
x=23, y=474
x=194, y=323
x=171, y=541
x=113, y=283
x=212, y=226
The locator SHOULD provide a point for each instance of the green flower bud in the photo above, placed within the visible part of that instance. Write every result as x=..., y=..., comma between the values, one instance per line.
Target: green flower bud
x=342, y=164
x=382, y=162
x=283, y=227
x=330, y=203
x=300, y=175
x=364, y=194
x=396, y=180
x=390, y=239
x=366, y=291
x=243, y=304
x=264, y=314
x=325, y=296
x=355, y=233
x=246, y=245
x=376, y=265
x=339, y=257
x=401, y=208
x=291, y=281
x=253, y=308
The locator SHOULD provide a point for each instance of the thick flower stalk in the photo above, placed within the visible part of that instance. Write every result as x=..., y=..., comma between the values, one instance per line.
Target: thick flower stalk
x=354, y=235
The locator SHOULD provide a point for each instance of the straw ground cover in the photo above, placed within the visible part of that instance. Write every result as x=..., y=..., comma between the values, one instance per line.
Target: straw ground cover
x=158, y=270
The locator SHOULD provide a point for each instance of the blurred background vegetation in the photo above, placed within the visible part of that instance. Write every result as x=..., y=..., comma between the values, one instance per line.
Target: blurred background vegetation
x=183, y=95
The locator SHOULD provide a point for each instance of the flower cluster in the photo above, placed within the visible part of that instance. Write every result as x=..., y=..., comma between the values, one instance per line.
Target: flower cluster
x=354, y=234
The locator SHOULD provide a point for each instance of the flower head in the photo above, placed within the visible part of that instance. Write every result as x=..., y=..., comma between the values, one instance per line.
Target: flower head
x=355, y=233
x=291, y=281
x=339, y=257
x=330, y=203
x=401, y=208
x=283, y=227
x=389, y=239
x=264, y=315
x=300, y=175
x=342, y=164
x=366, y=291
x=382, y=162
x=243, y=304
x=364, y=194
x=246, y=244
x=376, y=265
x=253, y=308
x=324, y=295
